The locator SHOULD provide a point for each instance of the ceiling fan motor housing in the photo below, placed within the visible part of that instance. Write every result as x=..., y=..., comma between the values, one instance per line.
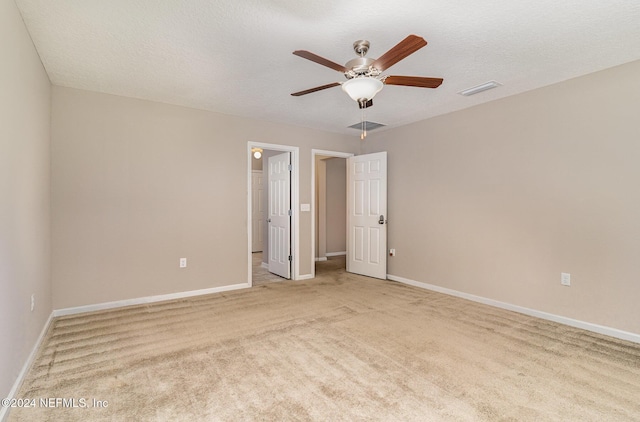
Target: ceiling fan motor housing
x=358, y=66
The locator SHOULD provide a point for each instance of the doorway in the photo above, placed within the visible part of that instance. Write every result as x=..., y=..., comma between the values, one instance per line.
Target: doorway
x=258, y=261
x=328, y=206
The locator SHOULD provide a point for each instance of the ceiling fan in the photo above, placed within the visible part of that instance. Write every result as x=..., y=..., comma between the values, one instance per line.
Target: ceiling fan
x=364, y=74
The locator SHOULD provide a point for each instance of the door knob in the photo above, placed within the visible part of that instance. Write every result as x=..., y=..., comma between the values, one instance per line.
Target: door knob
x=382, y=220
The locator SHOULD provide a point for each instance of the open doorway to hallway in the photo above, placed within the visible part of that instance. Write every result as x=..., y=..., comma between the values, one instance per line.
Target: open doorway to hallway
x=261, y=239
x=330, y=210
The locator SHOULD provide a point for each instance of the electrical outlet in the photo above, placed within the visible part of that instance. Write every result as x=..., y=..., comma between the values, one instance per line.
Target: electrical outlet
x=392, y=252
x=565, y=279
x=183, y=262
x=33, y=302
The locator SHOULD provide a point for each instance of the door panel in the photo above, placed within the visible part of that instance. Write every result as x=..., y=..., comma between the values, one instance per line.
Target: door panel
x=358, y=244
x=279, y=214
x=366, y=203
x=374, y=245
x=359, y=198
x=374, y=198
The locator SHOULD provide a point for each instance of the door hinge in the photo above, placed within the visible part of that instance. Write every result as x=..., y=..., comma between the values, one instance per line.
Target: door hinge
x=290, y=213
x=290, y=167
x=290, y=258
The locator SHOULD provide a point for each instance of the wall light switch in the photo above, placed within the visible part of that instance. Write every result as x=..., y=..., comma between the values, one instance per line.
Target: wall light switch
x=183, y=262
x=305, y=207
x=565, y=279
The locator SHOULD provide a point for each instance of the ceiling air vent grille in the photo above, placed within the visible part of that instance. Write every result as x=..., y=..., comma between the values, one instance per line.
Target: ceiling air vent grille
x=369, y=125
x=480, y=88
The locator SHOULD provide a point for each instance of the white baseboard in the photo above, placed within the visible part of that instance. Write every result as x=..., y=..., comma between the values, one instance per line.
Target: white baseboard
x=330, y=254
x=600, y=329
x=4, y=411
x=336, y=253
x=304, y=277
x=145, y=300
x=264, y=265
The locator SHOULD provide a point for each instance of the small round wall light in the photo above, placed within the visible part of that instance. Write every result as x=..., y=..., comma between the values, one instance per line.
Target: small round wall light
x=257, y=153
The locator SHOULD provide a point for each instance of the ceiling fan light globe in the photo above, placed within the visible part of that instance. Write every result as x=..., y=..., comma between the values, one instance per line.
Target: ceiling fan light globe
x=364, y=88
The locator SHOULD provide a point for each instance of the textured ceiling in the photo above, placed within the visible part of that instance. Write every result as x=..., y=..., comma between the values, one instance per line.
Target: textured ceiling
x=235, y=57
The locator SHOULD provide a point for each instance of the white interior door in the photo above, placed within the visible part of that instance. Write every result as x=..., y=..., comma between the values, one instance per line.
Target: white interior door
x=367, y=215
x=258, y=217
x=279, y=178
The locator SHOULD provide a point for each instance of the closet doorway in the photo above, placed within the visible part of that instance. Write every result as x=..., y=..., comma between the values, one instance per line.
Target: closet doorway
x=329, y=210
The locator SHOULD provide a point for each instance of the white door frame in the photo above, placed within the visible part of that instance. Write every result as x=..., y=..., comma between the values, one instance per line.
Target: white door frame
x=295, y=205
x=314, y=152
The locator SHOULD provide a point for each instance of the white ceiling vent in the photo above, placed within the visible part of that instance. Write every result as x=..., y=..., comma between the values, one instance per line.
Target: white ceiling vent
x=479, y=88
x=368, y=125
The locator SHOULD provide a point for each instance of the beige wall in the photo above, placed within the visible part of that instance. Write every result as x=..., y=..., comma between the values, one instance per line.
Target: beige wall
x=137, y=185
x=24, y=192
x=497, y=200
x=330, y=205
x=336, y=209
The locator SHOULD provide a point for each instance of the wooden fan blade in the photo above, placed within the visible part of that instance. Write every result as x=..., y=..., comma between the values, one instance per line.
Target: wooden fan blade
x=318, y=88
x=404, y=48
x=417, y=81
x=320, y=60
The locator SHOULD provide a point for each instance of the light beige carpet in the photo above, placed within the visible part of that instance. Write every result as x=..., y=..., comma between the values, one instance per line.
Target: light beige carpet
x=340, y=347
x=262, y=275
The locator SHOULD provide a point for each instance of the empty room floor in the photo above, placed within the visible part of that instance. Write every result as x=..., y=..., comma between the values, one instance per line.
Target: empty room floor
x=338, y=347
